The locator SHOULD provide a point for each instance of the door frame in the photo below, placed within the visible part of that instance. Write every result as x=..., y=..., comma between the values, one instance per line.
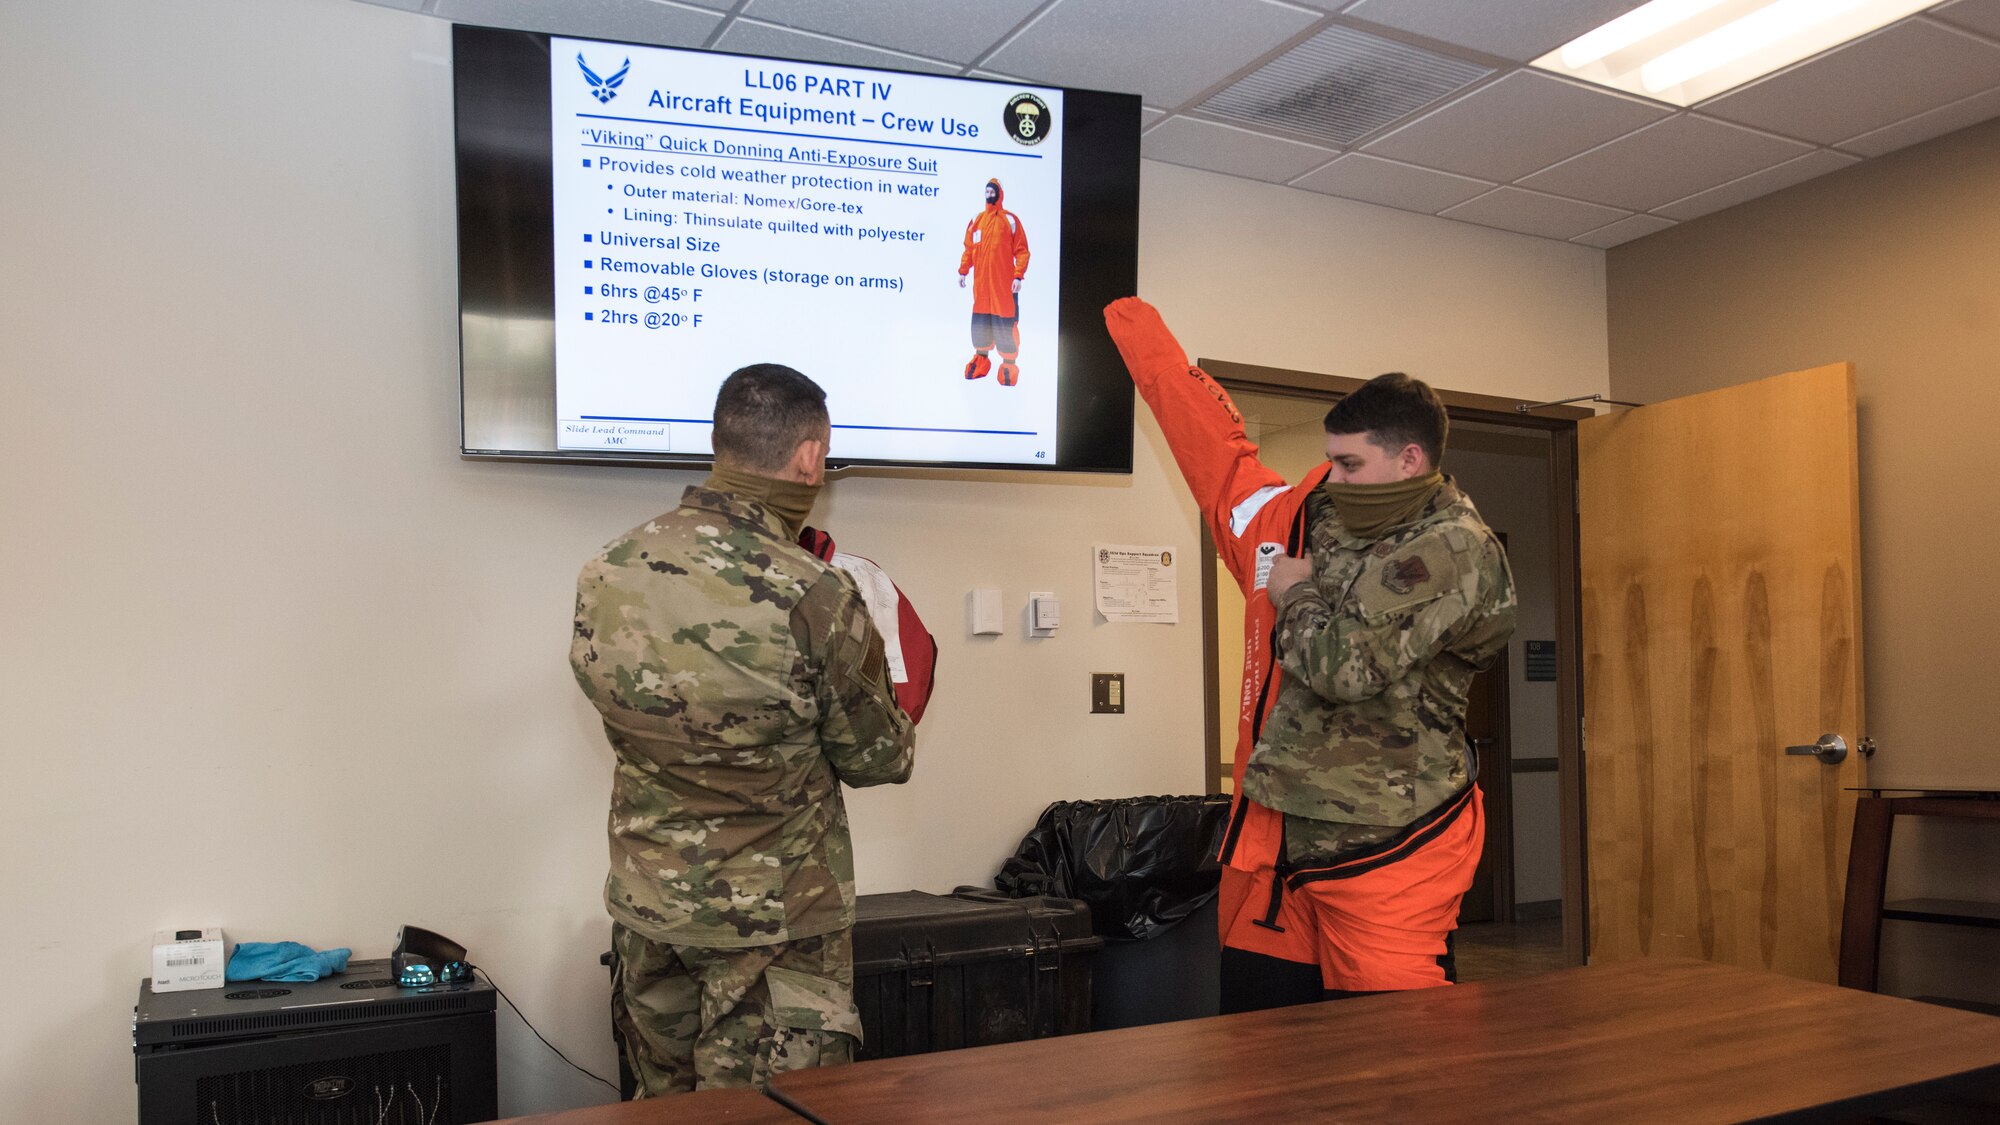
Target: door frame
x=1559, y=422
x=1498, y=786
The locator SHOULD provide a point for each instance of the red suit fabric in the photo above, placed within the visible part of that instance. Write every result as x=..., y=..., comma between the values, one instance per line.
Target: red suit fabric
x=996, y=251
x=916, y=649
x=1377, y=921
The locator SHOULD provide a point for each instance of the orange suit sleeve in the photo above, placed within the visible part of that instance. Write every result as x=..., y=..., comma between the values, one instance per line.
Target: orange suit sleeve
x=1020, y=248
x=965, y=259
x=1203, y=427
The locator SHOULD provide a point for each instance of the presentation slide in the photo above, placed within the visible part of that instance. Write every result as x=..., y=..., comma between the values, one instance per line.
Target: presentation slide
x=875, y=230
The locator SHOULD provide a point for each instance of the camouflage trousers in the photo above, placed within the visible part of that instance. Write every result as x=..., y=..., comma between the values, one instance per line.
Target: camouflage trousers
x=697, y=1018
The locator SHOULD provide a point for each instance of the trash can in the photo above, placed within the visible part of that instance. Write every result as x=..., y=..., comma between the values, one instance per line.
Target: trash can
x=1146, y=867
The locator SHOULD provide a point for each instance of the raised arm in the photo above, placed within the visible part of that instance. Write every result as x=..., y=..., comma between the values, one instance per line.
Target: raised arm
x=1202, y=426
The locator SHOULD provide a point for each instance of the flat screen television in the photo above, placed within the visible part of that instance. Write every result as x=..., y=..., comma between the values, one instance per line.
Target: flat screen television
x=635, y=222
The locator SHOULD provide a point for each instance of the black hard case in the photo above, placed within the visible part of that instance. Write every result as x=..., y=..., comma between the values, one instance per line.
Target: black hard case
x=936, y=972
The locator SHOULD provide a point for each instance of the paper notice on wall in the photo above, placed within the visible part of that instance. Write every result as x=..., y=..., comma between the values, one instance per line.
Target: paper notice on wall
x=1137, y=584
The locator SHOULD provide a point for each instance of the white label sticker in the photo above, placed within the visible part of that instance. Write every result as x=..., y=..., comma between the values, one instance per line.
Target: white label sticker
x=1267, y=553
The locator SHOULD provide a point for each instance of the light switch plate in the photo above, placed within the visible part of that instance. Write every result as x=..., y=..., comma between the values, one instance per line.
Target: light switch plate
x=1107, y=693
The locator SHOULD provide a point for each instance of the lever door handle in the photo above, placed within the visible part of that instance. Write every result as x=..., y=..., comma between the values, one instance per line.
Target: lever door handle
x=1831, y=749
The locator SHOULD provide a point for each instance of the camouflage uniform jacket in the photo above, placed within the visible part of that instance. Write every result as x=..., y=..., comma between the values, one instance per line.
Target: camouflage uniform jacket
x=741, y=681
x=1378, y=649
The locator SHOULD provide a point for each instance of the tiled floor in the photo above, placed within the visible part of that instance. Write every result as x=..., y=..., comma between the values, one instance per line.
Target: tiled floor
x=1494, y=950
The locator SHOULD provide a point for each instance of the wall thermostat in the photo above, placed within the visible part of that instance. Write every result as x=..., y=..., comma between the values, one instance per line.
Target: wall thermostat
x=1044, y=613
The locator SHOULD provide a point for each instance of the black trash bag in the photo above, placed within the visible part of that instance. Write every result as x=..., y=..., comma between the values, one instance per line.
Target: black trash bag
x=1141, y=863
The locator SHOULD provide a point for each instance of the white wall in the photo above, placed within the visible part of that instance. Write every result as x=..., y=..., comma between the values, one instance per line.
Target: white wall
x=274, y=657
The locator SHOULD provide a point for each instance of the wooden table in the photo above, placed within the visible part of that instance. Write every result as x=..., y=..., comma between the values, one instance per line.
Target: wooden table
x=1644, y=1041
x=732, y=1107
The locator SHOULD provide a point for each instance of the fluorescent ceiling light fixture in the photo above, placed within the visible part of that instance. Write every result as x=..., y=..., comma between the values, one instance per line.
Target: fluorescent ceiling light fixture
x=1684, y=51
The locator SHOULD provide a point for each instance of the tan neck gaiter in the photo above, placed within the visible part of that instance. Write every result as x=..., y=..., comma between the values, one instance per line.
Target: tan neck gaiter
x=789, y=500
x=1368, y=510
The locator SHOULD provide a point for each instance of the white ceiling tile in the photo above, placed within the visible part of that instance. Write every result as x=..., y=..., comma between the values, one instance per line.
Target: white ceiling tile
x=650, y=21
x=1148, y=115
x=1373, y=180
x=1624, y=230
x=958, y=32
x=1982, y=16
x=718, y=5
x=1522, y=123
x=1513, y=29
x=405, y=5
x=1815, y=163
x=1531, y=212
x=1661, y=163
x=1166, y=50
x=1924, y=126
x=1225, y=148
x=1902, y=70
x=752, y=38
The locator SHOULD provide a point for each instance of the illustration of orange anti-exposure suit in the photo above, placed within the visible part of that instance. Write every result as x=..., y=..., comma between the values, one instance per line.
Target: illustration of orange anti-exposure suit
x=996, y=254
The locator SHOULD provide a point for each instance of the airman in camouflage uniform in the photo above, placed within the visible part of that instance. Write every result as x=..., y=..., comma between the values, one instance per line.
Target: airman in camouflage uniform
x=1379, y=648
x=1403, y=595
x=741, y=682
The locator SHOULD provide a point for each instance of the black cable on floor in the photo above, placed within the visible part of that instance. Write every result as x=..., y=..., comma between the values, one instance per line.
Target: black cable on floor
x=539, y=1035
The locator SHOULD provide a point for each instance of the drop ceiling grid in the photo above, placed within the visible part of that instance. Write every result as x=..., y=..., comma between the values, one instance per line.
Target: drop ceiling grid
x=1321, y=178
x=1019, y=36
x=974, y=31
x=1829, y=99
x=1982, y=16
x=756, y=37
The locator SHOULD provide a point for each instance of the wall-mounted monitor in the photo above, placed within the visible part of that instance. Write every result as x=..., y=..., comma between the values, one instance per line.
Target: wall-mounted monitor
x=635, y=222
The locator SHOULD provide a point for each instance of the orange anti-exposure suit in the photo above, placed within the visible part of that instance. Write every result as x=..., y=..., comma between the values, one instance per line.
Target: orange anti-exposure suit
x=1369, y=923
x=996, y=251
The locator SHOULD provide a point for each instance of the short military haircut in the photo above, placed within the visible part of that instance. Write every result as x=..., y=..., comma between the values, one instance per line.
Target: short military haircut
x=762, y=414
x=1397, y=411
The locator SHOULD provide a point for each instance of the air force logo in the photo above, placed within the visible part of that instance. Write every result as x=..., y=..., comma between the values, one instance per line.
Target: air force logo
x=603, y=89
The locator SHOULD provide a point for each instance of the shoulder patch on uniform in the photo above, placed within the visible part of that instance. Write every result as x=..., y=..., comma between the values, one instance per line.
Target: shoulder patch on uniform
x=1418, y=571
x=1403, y=576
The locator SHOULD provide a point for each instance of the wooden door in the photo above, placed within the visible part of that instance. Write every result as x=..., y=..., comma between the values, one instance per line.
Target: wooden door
x=1721, y=624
